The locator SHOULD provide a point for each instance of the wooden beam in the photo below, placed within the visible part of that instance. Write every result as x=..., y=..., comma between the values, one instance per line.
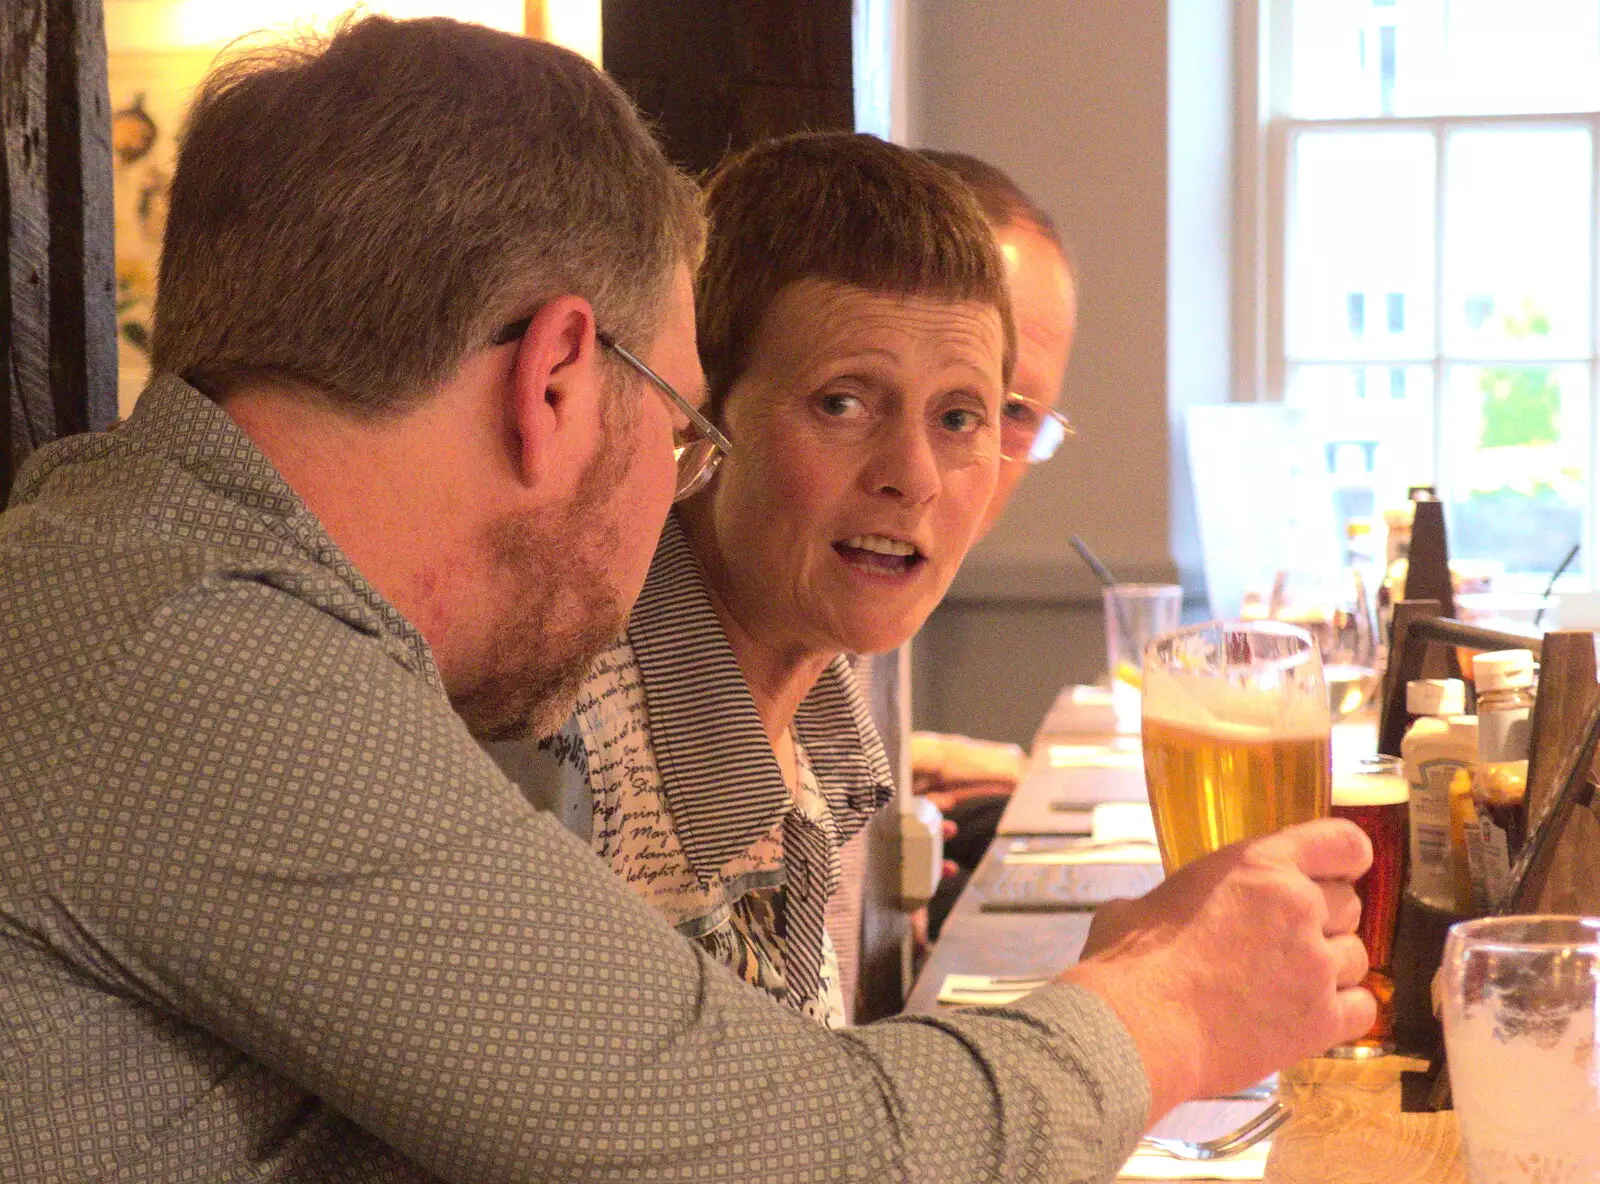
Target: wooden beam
x=27, y=239
x=58, y=289
x=8, y=450
x=83, y=286
x=715, y=75
x=1567, y=692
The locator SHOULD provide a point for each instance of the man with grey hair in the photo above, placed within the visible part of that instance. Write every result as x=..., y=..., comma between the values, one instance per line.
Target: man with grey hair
x=267, y=910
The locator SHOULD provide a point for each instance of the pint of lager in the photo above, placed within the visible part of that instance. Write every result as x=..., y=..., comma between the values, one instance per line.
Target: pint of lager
x=1235, y=731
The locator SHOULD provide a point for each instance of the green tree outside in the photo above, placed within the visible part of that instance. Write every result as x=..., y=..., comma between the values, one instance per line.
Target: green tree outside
x=1521, y=405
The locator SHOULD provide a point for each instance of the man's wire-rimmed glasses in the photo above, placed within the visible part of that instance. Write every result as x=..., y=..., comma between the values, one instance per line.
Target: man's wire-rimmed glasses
x=1031, y=431
x=698, y=447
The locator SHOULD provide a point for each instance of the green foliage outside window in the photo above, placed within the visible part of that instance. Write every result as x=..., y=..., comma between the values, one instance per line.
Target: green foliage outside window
x=1521, y=405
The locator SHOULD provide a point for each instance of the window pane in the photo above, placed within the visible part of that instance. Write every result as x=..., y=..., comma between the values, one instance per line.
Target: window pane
x=1354, y=58
x=1374, y=426
x=1365, y=57
x=1517, y=242
x=1361, y=245
x=1516, y=463
x=1521, y=56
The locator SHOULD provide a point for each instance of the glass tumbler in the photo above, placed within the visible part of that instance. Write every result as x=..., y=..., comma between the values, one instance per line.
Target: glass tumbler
x=1136, y=614
x=1520, y=1000
x=1373, y=794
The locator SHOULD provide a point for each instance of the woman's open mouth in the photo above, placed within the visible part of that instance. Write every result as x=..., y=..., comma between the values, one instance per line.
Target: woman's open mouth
x=879, y=555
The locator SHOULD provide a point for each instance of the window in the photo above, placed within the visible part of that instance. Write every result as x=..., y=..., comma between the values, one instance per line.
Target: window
x=1432, y=195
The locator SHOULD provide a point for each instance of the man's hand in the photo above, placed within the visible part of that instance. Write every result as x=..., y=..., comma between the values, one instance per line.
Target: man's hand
x=1238, y=964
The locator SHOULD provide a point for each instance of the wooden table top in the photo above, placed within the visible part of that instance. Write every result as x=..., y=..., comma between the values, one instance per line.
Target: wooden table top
x=976, y=942
x=1346, y=1128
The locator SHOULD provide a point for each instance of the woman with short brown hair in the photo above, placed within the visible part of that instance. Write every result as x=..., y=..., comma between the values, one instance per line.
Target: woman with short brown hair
x=856, y=335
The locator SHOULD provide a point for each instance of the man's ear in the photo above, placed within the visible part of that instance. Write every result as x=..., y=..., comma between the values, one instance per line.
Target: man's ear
x=555, y=389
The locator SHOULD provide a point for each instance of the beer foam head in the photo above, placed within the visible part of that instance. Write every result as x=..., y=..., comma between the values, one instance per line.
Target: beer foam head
x=1243, y=680
x=1355, y=788
x=1224, y=707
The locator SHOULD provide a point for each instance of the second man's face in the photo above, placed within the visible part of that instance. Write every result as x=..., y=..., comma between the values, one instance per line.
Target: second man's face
x=1044, y=303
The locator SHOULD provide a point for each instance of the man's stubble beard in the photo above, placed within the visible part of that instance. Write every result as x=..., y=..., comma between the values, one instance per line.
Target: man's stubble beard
x=562, y=611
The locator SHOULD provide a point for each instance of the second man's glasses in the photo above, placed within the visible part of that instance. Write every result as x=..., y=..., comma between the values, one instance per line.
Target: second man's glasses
x=1030, y=431
x=698, y=447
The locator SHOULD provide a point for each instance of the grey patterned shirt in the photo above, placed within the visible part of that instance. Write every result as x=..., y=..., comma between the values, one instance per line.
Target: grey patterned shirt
x=268, y=913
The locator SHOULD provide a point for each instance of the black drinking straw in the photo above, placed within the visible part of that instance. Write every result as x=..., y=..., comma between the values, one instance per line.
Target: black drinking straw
x=1101, y=571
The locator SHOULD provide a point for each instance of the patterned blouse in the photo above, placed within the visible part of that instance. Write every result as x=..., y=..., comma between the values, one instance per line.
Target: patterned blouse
x=689, y=806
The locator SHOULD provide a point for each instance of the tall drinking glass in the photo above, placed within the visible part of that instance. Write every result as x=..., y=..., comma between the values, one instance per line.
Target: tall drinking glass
x=1136, y=614
x=1236, y=735
x=1520, y=1001
x=1374, y=795
x=1336, y=609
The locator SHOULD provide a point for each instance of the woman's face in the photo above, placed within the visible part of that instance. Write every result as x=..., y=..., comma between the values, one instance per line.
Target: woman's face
x=865, y=449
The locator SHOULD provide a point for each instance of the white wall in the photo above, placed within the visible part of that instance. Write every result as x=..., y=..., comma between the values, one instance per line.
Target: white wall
x=1200, y=236
x=1072, y=99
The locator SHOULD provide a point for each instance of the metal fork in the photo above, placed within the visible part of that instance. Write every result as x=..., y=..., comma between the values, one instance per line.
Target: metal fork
x=1251, y=1133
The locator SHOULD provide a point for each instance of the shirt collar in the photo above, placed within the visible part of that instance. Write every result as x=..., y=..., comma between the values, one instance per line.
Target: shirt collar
x=175, y=421
x=717, y=767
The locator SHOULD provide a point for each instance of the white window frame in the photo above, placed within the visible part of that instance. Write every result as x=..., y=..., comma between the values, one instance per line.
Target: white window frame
x=1265, y=135
x=878, y=35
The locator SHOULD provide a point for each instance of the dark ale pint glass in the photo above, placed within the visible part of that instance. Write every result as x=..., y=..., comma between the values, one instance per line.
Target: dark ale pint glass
x=1373, y=796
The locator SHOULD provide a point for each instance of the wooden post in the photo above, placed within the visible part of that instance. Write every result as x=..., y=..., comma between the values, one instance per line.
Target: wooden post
x=1428, y=578
x=1406, y=660
x=57, y=276
x=1567, y=691
x=1428, y=564
x=535, y=21
x=715, y=75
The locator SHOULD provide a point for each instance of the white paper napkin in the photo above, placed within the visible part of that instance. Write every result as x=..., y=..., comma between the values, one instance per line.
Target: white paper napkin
x=1093, y=756
x=1204, y=1118
x=984, y=990
x=1121, y=853
x=1249, y=1164
x=1114, y=821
